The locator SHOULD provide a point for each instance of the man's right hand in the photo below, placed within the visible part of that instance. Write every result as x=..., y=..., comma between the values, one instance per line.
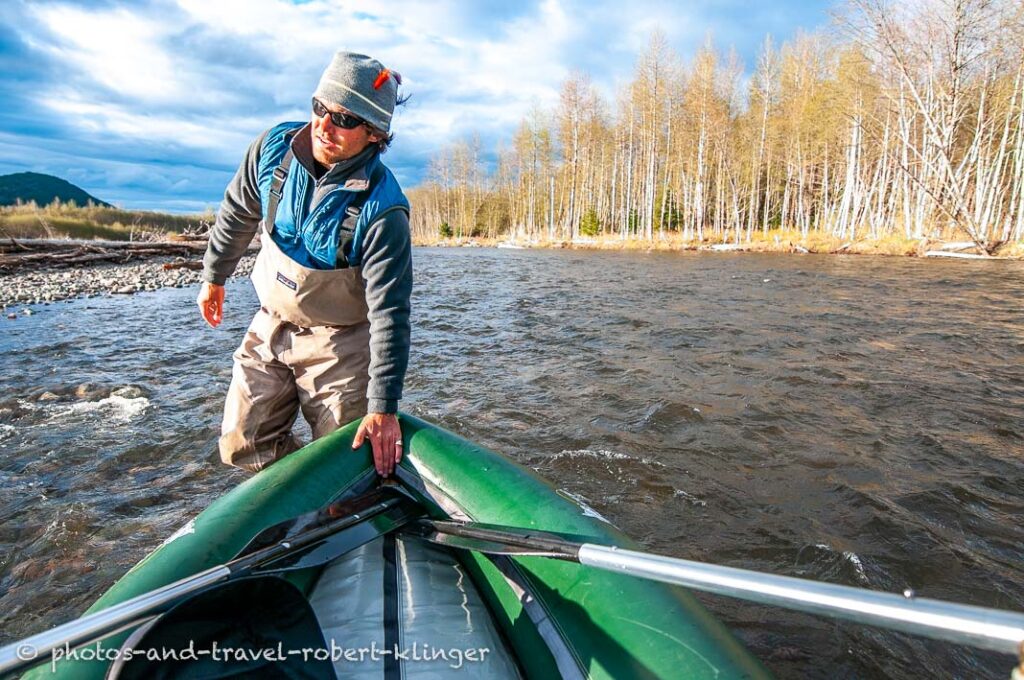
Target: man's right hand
x=211, y=303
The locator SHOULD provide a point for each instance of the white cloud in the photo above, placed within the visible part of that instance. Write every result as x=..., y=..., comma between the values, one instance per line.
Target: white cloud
x=200, y=78
x=116, y=48
x=472, y=83
x=150, y=127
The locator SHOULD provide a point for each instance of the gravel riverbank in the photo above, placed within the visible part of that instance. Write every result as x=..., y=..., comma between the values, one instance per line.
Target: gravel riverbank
x=20, y=291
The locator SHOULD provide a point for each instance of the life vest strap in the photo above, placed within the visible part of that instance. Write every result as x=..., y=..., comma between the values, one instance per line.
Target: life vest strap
x=277, y=188
x=348, y=225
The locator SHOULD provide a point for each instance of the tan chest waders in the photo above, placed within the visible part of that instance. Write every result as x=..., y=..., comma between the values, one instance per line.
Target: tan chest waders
x=307, y=348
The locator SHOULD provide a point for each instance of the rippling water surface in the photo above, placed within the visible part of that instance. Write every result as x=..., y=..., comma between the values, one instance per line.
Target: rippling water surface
x=855, y=420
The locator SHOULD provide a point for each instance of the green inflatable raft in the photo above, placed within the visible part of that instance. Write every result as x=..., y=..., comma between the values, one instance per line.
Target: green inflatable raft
x=386, y=602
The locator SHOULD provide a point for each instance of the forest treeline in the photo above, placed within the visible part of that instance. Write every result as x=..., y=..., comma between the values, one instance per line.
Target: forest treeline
x=906, y=120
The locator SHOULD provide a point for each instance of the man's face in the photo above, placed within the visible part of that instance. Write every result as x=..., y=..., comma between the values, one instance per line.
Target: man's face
x=331, y=143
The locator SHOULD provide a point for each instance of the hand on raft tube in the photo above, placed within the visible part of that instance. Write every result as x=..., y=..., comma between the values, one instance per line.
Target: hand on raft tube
x=385, y=439
x=211, y=303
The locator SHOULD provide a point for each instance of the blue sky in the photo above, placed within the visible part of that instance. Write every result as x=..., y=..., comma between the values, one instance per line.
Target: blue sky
x=150, y=104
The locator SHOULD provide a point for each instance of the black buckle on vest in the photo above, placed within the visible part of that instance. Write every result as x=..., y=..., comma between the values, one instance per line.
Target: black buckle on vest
x=277, y=185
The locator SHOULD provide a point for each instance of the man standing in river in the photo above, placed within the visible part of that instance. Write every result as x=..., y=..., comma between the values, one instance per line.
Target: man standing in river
x=333, y=276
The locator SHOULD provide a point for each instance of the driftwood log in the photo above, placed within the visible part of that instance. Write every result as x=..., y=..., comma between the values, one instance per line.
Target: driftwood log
x=194, y=265
x=962, y=256
x=54, y=253
x=44, y=253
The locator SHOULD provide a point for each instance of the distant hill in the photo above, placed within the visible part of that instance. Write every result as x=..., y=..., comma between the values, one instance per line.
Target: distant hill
x=34, y=186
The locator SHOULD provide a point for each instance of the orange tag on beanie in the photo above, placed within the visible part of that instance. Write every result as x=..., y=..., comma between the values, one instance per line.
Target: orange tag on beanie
x=383, y=76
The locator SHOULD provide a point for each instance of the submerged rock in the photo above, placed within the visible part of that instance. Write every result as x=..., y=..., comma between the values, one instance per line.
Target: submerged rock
x=29, y=570
x=128, y=392
x=86, y=390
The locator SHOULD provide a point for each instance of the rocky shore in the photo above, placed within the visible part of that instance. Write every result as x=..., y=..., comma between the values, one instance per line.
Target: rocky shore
x=20, y=291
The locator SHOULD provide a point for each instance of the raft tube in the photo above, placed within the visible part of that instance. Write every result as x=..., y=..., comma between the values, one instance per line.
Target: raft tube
x=552, y=618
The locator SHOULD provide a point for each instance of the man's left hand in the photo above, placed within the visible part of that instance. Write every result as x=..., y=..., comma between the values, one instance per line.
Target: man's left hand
x=385, y=440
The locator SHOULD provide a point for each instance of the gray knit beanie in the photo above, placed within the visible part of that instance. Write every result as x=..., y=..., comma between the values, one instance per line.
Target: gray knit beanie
x=362, y=85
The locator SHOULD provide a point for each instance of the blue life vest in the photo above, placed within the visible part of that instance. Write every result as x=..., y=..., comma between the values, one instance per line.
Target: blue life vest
x=312, y=239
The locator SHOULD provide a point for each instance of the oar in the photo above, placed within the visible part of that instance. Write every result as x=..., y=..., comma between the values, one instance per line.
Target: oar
x=993, y=629
x=308, y=536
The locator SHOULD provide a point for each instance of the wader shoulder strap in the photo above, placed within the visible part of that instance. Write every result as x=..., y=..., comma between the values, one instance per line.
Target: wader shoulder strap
x=277, y=184
x=352, y=212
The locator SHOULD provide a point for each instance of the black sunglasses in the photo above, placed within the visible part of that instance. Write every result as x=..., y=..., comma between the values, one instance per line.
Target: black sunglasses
x=342, y=120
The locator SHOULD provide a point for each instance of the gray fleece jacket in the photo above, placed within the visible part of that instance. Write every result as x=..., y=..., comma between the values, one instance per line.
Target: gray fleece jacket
x=386, y=258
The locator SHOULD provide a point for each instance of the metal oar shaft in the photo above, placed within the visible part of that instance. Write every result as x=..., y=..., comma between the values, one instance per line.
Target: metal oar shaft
x=35, y=649
x=1000, y=631
x=32, y=650
x=992, y=629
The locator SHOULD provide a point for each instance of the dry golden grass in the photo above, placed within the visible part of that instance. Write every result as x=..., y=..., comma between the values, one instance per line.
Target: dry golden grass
x=67, y=220
x=1014, y=250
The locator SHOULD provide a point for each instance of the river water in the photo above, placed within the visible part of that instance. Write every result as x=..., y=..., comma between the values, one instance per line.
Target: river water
x=851, y=419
